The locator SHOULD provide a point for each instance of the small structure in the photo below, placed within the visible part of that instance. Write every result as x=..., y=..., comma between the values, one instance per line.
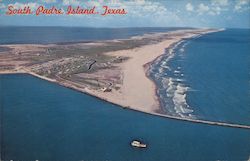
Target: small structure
x=18, y=53
x=106, y=89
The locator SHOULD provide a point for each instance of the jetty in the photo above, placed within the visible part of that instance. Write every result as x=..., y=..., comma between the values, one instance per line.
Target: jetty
x=214, y=123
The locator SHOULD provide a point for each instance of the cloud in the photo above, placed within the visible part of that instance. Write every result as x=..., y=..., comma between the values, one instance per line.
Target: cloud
x=2, y=6
x=71, y=2
x=202, y=9
x=243, y=2
x=215, y=7
x=242, y=5
x=138, y=12
x=153, y=12
x=32, y=5
x=49, y=1
x=219, y=2
x=189, y=7
x=216, y=10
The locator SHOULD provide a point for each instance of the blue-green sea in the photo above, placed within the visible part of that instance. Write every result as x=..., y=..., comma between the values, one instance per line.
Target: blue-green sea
x=204, y=77
x=207, y=77
x=47, y=122
x=48, y=35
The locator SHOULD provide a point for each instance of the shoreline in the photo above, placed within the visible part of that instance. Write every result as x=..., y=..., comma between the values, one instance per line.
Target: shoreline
x=138, y=90
x=134, y=71
x=206, y=122
x=147, y=73
x=135, y=79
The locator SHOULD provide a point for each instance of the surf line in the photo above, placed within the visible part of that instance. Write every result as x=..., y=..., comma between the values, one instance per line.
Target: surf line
x=214, y=123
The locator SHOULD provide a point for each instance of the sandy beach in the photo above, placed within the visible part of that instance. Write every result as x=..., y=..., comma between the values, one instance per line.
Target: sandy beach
x=136, y=91
x=130, y=87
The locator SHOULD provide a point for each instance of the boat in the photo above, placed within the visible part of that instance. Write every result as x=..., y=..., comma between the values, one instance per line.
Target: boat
x=138, y=144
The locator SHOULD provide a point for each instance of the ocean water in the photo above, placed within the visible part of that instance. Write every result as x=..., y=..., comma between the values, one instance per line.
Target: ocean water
x=207, y=77
x=46, y=35
x=47, y=122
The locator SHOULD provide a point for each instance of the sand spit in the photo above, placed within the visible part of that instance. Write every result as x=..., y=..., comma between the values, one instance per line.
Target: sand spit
x=135, y=90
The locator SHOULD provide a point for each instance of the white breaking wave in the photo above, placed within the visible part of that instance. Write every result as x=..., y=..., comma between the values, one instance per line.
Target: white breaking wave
x=177, y=91
x=179, y=80
x=165, y=83
x=180, y=102
x=161, y=70
x=182, y=50
x=157, y=75
x=172, y=90
x=166, y=67
x=170, y=87
x=177, y=71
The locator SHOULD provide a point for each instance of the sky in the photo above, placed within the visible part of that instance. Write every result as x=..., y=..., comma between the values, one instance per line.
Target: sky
x=140, y=13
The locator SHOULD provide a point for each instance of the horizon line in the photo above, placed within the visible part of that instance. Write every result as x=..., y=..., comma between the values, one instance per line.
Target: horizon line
x=121, y=27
